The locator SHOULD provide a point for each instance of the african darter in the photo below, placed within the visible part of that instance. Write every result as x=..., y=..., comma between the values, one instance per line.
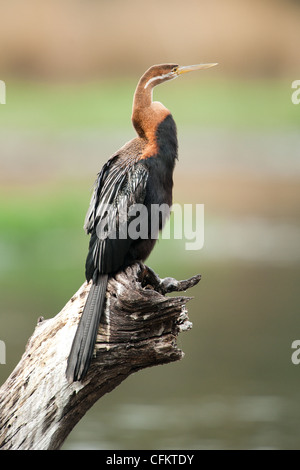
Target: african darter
x=141, y=172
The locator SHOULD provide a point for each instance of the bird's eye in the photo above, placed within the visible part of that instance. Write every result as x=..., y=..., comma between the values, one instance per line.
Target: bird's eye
x=174, y=69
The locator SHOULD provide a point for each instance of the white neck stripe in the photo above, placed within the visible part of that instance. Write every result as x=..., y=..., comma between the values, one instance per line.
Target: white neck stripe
x=153, y=79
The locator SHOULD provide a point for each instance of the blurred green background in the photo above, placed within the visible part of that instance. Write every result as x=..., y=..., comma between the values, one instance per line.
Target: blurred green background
x=70, y=69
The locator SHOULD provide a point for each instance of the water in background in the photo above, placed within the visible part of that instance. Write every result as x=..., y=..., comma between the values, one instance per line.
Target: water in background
x=236, y=386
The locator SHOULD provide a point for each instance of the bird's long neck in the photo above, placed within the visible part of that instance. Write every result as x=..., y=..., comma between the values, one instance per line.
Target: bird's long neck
x=146, y=114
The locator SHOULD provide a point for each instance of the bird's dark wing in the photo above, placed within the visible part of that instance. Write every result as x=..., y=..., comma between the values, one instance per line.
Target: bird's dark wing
x=120, y=184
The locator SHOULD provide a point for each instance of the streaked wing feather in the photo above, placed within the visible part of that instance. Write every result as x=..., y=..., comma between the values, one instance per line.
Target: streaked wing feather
x=119, y=186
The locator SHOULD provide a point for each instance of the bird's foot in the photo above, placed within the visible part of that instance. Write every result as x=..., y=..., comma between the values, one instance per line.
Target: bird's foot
x=150, y=280
x=169, y=284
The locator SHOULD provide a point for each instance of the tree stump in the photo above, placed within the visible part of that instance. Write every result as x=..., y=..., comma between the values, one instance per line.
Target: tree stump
x=39, y=408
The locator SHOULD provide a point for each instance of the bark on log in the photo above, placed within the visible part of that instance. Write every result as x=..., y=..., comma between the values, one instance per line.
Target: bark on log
x=38, y=408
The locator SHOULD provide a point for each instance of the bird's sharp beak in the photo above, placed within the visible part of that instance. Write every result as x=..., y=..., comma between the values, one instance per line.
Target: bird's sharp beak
x=191, y=68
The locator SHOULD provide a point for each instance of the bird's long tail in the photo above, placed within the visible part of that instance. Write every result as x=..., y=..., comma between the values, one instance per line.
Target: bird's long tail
x=85, y=337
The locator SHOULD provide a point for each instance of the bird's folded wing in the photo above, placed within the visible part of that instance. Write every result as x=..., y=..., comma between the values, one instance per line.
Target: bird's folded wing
x=120, y=186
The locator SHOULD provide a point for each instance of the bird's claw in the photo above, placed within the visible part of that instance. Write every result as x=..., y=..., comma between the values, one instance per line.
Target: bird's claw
x=150, y=280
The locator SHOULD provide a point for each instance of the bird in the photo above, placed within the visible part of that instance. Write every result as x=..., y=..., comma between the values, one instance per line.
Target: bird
x=139, y=174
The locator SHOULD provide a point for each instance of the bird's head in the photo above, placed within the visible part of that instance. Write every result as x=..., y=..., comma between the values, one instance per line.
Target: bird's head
x=160, y=73
x=145, y=112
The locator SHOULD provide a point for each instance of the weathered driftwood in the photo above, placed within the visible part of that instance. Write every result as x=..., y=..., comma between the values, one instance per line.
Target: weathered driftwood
x=38, y=408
